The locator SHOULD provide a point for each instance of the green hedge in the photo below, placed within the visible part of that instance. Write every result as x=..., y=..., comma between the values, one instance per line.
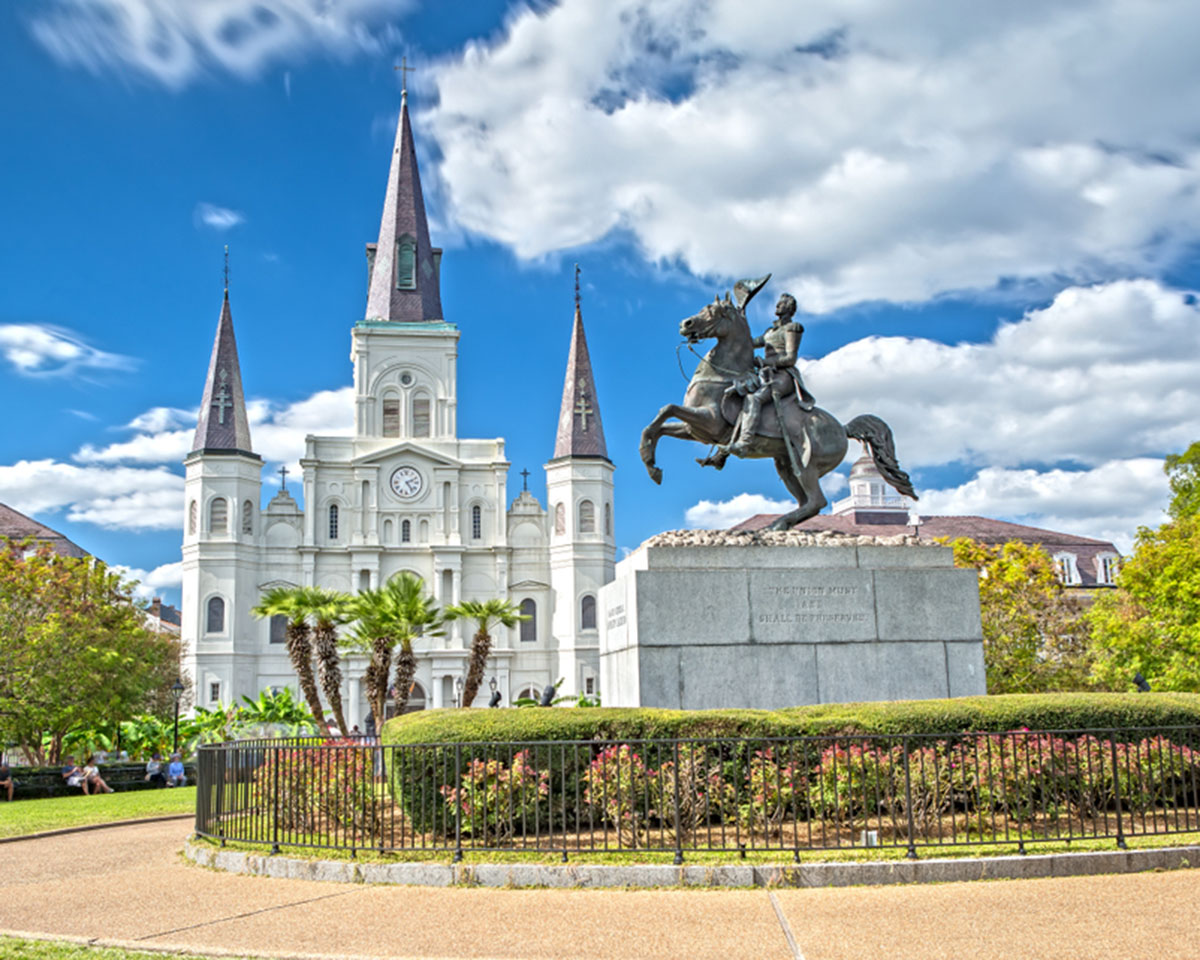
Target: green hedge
x=1061, y=711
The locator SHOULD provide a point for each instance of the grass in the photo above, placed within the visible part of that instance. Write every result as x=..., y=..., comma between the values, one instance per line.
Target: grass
x=13, y=949
x=55, y=813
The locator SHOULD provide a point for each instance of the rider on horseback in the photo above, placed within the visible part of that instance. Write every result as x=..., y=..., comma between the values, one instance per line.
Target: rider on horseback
x=775, y=378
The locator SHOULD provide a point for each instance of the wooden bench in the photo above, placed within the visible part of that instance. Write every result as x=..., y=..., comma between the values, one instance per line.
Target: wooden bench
x=38, y=782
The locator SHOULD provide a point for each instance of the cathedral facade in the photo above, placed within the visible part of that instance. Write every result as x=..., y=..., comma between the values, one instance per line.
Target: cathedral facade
x=404, y=492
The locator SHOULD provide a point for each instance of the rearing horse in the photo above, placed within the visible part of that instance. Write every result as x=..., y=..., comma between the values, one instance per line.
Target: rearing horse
x=708, y=416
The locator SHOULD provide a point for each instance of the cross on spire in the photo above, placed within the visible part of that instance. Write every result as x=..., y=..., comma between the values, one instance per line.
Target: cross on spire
x=226, y=268
x=283, y=472
x=222, y=400
x=583, y=408
x=525, y=483
x=405, y=70
x=576, y=287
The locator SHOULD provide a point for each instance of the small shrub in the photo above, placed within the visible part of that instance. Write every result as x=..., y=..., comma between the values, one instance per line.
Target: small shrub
x=495, y=798
x=617, y=785
x=311, y=791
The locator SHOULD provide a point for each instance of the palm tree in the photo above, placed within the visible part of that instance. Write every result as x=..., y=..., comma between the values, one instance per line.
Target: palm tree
x=397, y=613
x=328, y=610
x=486, y=614
x=288, y=602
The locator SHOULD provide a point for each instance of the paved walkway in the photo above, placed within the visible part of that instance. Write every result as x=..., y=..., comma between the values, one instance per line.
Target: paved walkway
x=130, y=885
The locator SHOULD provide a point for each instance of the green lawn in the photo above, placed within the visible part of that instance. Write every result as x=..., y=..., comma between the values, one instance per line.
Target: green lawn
x=34, y=816
x=13, y=949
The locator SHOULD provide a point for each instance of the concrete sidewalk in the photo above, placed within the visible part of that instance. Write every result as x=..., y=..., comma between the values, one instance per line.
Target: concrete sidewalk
x=129, y=885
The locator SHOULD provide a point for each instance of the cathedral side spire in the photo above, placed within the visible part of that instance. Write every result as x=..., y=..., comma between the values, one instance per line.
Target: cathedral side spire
x=404, y=266
x=223, y=427
x=580, y=431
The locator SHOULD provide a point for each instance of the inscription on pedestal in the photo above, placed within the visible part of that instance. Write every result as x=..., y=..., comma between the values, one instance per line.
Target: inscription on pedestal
x=810, y=612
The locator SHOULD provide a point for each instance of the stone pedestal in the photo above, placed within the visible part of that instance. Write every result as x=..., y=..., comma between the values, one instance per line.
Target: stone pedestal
x=698, y=620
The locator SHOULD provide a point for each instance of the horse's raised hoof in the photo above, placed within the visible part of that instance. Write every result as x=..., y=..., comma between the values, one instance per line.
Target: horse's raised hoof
x=656, y=475
x=717, y=461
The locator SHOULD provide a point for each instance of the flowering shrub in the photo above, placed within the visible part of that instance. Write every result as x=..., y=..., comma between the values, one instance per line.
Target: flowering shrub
x=310, y=790
x=704, y=794
x=853, y=780
x=617, y=784
x=774, y=787
x=495, y=799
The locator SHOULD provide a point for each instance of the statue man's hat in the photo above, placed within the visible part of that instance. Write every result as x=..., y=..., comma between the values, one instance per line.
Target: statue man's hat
x=744, y=290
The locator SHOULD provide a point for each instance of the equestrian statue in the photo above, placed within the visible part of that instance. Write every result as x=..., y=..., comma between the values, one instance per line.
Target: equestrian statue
x=754, y=407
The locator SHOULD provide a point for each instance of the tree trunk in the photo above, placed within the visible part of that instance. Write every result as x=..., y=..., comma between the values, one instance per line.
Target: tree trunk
x=481, y=646
x=406, y=669
x=376, y=677
x=331, y=672
x=300, y=650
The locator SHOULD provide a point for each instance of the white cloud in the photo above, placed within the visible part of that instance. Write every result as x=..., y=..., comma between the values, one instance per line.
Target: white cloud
x=219, y=218
x=707, y=515
x=174, y=42
x=860, y=151
x=39, y=350
x=1103, y=373
x=1108, y=502
x=127, y=498
x=151, y=583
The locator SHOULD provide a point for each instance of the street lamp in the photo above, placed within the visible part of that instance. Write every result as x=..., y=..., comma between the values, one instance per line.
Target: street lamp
x=458, y=690
x=495, y=700
x=177, y=692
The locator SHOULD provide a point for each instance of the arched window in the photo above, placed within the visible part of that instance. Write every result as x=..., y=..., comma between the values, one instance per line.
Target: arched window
x=333, y=521
x=560, y=519
x=420, y=417
x=587, y=613
x=192, y=514
x=387, y=531
x=1064, y=566
x=391, y=417
x=216, y=615
x=406, y=263
x=279, y=624
x=218, y=516
x=476, y=522
x=529, y=627
x=406, y=531
x=247, y=517
x=424, y=528
x=1107, y=568
x=587, y=517
x=608, y=519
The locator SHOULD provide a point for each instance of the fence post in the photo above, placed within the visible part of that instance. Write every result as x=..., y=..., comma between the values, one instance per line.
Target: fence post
x=908, y=807
x=458, y=806
x=219, y=776
x=678, y=836
x=275, y=799
x=1112, y=743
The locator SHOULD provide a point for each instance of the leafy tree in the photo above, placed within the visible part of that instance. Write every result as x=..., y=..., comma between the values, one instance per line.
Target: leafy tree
x=1035, y=638
x=290, y=602
x=74, y=651
x=328, y=609
x=486, y=614
x=1183, y=474
x=397, y=613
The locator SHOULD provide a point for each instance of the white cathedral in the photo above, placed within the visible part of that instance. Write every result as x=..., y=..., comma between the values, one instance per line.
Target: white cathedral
x=405, y=492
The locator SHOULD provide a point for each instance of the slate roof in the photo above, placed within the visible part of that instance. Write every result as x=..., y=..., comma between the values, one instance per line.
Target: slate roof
x=404, y=214
x=16, y=526
x=982, y=529
x=580, y=430
x=223, y=427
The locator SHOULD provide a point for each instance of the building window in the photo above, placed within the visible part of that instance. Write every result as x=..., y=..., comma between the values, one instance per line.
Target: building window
x=406, y=532
x=406, y=263
x=476, y=522
x=529, y=627
x=247, y=517
x=587, y=613
x=192, y=513
x=279, y=624
x=1064, y=566
x=1108, y=568
x=420, y=417
x=214, y=692
x=587, y=517
x=608, y=519
x=391, y=417
x=333, y=521
x=589, y=685
x=216, y=615
x=560, y=519
x=218, y=516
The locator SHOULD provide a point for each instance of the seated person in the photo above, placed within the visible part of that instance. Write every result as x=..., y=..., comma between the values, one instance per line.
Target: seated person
x=91, y=776
x=73, y=775
x=154, y=770
x=6, y=780
x=175, y=775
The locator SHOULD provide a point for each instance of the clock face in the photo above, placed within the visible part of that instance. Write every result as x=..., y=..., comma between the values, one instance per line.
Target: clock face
x=406, y=483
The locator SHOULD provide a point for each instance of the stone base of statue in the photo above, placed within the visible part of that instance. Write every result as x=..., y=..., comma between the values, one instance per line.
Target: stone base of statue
x=697, y=620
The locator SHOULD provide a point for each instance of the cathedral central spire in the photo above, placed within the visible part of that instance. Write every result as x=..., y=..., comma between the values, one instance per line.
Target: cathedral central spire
x=223, y=427
x=580, y=432
x=404, y=266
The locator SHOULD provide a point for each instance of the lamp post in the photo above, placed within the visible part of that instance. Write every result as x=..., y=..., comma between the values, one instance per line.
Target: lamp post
x=495, y=698
x=177, y=692
x=458, y=691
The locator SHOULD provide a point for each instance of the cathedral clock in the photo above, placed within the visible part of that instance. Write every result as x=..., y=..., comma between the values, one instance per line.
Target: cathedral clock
x=406, y=482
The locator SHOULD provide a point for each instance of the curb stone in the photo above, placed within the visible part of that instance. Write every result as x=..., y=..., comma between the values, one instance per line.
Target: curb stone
x=661, y=875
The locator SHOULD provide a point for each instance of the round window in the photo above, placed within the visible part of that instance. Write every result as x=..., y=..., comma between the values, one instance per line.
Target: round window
x=406, y=379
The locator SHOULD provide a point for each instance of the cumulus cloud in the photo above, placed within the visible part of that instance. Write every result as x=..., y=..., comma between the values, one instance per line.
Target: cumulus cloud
x=219, y=218
x=38, y=350
x=1103, y=373
x=173, y=42
x=151, y=583
x=861, y=151
x=707, y=515
x=126, y=498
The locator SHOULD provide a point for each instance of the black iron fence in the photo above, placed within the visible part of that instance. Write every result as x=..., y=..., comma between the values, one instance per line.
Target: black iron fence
x=781, y=794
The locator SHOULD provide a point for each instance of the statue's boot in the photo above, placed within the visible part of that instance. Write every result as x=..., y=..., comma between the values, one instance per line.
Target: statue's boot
x=714, y=459
x=747, y=426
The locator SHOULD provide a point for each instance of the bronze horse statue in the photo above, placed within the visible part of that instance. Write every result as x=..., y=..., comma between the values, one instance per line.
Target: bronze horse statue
x=708, y=415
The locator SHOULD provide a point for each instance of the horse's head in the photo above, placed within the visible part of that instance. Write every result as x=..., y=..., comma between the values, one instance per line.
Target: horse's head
x=715, y=321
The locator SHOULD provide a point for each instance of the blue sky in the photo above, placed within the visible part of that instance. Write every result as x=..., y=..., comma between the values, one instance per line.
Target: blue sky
x=990, y=224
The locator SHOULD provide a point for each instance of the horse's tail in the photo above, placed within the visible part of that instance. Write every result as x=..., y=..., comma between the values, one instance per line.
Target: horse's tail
x=877, y=435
